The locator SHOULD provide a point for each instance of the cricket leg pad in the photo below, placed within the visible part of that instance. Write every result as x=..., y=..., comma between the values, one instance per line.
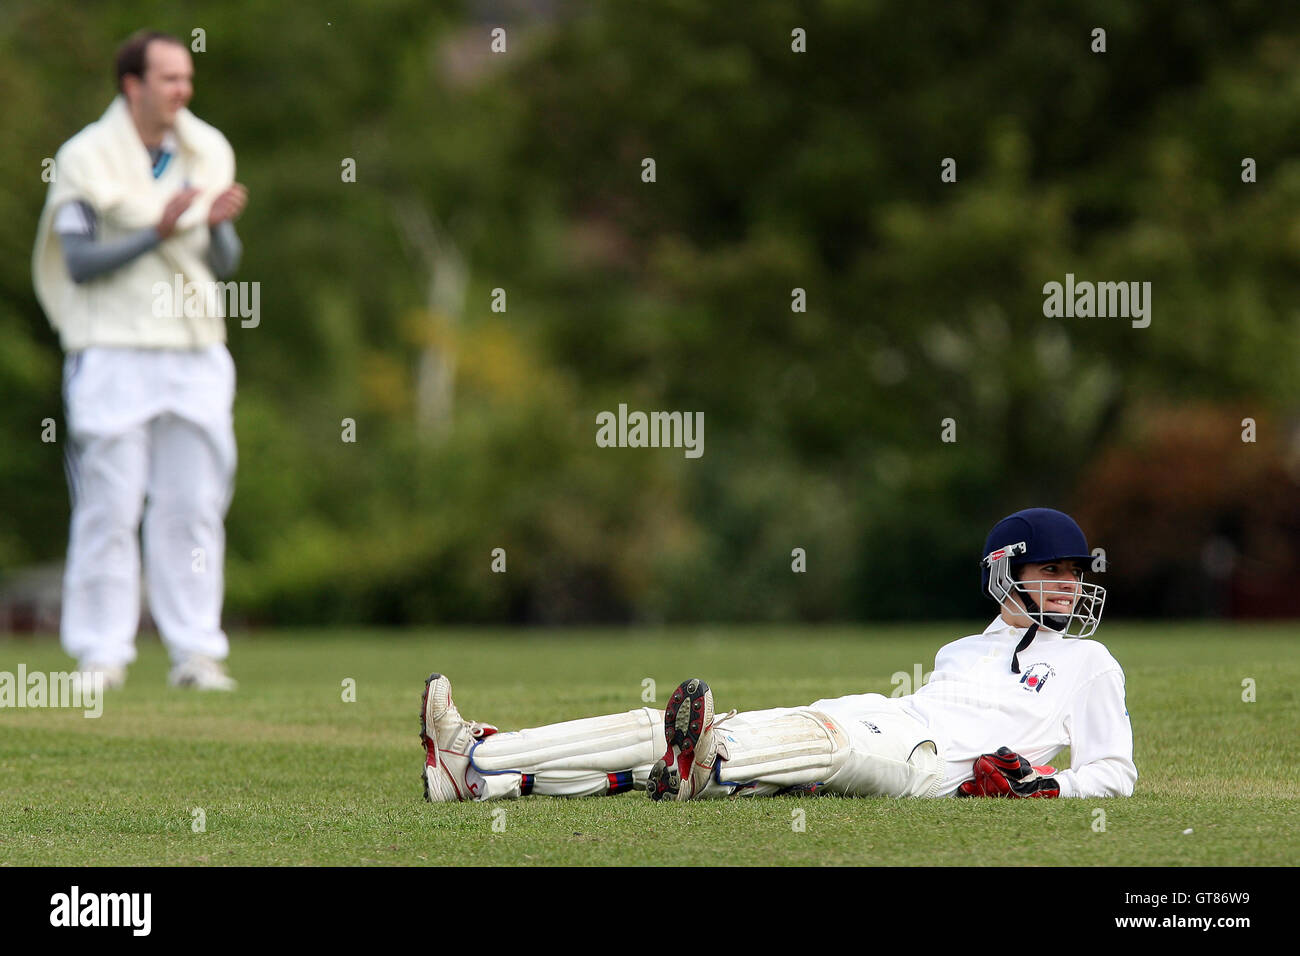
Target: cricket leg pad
x=768, y=750
x=596, y=746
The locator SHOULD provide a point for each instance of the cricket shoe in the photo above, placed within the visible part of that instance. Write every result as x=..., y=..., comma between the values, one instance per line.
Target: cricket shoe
x=693, y=748
x=114, y=675
x=201, y=673
x=448, y=739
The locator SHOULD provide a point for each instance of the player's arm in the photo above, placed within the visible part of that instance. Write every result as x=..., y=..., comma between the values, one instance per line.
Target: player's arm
x=87, y=257
x=1101, y=751
x=1101, y=740
x=224, y=248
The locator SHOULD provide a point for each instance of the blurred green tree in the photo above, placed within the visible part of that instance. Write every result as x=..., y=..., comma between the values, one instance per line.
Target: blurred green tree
x=775, y=171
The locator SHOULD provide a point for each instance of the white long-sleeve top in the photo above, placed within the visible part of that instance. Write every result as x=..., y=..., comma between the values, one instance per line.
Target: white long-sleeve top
x=1069, y=693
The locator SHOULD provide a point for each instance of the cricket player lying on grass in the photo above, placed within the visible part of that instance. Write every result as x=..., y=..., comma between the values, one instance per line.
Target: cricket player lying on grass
x=997, y=708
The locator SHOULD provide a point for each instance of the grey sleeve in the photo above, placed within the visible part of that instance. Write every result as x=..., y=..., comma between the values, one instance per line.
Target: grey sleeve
x=224, y=249
x=88, y=259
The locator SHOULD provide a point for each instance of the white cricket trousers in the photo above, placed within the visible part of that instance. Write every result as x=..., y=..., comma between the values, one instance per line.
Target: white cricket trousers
x=151, y=448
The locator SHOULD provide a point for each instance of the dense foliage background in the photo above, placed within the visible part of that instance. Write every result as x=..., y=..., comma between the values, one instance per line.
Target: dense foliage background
x=775, y=170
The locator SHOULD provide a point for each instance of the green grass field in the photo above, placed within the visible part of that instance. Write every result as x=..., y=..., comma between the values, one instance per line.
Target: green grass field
x=286, y=772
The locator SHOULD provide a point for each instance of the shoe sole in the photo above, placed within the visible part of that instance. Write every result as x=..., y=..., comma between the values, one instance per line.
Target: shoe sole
x=687, y=716
x=430, y=752
x=431, y=759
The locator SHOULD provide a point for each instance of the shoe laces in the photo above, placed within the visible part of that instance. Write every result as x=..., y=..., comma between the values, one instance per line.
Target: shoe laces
x=719, y=747
x=718, y=721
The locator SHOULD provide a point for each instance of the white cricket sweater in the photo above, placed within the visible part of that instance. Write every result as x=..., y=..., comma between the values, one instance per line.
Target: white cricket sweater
x=107, y=167
x=1069, y=693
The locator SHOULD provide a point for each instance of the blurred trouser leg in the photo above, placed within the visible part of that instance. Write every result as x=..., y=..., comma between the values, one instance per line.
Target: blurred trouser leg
x=190, y=478
x=101, y=583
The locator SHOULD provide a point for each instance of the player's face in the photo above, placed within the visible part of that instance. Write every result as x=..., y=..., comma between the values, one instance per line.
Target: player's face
x=1054, y=586
x=168, y=82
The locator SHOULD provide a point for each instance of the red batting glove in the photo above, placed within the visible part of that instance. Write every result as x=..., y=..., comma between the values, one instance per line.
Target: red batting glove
x=1007, y=774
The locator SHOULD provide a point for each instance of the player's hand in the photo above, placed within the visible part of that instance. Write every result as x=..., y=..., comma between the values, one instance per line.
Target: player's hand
x=1007, y=774
x=228, y=205
x=173, y=210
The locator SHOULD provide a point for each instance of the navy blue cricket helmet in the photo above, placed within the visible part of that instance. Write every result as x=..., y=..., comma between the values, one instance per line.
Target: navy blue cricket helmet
x=1039, y=536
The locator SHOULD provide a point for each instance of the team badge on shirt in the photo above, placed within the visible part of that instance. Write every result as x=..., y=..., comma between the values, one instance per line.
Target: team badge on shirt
x=1036, y=677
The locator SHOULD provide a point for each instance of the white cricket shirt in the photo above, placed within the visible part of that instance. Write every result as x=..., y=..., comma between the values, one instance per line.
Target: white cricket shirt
x=1069, y=693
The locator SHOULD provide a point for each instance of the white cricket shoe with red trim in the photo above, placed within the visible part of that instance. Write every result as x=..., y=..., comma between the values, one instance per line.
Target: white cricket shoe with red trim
x=448, y=739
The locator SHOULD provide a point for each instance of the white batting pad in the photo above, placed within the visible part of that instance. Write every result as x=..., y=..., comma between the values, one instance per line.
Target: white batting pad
x=778, y=748
x=608, y=744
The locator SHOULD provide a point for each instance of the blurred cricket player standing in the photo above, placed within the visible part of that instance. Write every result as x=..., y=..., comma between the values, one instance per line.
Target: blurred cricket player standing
x=142, y=204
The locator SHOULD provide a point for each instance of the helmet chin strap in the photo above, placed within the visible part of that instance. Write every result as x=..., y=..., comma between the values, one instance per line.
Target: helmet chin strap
x=1056, y=622
x=1024, y=642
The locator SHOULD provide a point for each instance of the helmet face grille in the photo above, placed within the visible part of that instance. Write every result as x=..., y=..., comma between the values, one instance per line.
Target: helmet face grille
x=1032, y=597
